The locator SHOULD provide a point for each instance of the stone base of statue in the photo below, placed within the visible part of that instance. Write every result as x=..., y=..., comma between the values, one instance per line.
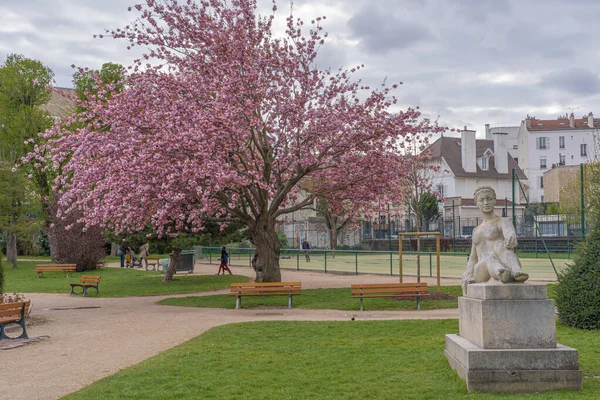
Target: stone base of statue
x=507, y=341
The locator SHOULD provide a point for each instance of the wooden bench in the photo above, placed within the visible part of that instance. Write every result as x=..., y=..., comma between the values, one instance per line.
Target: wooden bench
x=86, y=282
x=154, y=262
x=394, y=290
x=289, y=289
x=13, y=313
x=66, y=268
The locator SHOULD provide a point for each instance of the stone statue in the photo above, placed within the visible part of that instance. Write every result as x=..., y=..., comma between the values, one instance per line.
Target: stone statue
x=492, y=253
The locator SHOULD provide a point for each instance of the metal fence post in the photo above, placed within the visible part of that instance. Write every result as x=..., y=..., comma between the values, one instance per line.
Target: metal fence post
x=430, y=267
x=356, y=261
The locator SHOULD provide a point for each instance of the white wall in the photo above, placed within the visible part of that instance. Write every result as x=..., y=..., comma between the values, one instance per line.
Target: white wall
x=572, y=152
x=512, y=140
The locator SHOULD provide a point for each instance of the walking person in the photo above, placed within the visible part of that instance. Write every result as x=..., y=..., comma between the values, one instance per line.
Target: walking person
x=306, y=248
x=224, y=262
x=144, y=253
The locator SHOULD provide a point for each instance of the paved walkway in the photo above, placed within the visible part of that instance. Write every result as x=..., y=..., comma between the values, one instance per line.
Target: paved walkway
x=90, y=338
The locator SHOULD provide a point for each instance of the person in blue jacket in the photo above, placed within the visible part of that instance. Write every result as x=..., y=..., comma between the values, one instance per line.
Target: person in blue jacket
x=224, y=262
x=306, y=248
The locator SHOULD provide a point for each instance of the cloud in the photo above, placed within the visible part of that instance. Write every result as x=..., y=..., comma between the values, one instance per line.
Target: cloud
x=381, y=31
x=577, y=81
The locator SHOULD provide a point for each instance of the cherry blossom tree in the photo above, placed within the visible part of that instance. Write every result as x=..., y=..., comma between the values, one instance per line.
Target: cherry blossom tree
x=221, y=119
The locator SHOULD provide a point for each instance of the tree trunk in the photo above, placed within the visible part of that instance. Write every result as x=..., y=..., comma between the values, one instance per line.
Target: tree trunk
x=172, y=266
x=333, y=239
x=11, y=248
x=266, y=256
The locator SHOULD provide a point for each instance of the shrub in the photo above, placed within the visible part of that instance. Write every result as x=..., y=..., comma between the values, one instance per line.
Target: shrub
x=578, y=291
x=84, y=247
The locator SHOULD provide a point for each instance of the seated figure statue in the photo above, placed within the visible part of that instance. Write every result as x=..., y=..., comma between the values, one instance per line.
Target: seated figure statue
x=492, y=253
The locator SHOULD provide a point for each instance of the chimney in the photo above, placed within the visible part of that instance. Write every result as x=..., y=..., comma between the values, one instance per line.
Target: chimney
x=500, y=152
x=468, y=150
x=487, y=132
x=528, y=123
x=572, y=120
x=590, y=120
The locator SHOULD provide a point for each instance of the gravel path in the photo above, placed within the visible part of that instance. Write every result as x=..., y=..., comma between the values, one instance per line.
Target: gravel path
x=90, y=338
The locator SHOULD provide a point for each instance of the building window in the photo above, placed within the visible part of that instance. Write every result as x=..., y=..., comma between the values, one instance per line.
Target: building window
x=561, y=159
x=517, y=160
x=543, y=162
x=541, y=182
x=561, y=142
x=542, y=142
x=440, y=189
x=484, y=163
x=583, y=150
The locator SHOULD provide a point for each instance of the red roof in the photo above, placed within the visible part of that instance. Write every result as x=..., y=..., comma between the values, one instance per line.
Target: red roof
x=559, y=124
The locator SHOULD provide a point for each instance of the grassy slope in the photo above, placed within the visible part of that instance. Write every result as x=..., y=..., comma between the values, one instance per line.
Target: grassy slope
x=320, y=360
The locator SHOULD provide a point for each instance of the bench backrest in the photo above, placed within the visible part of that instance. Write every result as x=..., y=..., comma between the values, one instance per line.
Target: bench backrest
x=370, y=288
x=90, y=279
x=57, y=267
x=266, y=287
x=12, y=310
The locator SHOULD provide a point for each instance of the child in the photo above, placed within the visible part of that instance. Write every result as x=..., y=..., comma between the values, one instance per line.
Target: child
x=128, y=258
x=224, y=260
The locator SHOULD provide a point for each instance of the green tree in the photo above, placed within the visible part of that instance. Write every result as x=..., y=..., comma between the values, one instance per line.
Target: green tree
x=19, y=209
x=84, y=247
x=23, y=89
x=427, y=209
x=110, y=77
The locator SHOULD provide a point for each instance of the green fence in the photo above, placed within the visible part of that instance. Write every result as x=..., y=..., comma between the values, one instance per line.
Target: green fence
x=377, y=262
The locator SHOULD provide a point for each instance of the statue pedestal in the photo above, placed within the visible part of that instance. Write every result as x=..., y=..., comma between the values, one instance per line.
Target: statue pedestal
x=507, y=341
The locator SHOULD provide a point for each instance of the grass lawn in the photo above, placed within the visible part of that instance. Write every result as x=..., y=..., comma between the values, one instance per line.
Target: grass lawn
x=115, y=282
x=320, y=360
x=332, y=299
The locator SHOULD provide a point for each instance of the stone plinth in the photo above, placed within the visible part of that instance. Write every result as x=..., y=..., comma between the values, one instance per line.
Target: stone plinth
x=507, y=316
x=507, y=341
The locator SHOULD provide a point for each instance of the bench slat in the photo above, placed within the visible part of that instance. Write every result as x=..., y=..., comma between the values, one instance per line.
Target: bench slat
x=267, y=289
x=388, y=285
x=420, y=294
x=266, y=284
x=262, y=294
x=394, y=290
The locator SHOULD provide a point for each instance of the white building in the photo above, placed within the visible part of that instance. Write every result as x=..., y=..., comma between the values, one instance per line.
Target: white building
x=543, y=143
x=512, y=137
x=467, y=163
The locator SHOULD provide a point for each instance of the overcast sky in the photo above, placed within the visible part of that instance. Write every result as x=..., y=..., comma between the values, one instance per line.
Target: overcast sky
x=470, y=62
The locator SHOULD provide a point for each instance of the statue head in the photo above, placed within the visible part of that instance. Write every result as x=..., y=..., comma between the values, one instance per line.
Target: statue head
x=481, y=189
x=485, y=198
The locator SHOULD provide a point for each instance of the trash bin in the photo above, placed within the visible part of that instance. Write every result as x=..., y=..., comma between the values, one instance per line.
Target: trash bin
x=186, y=261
